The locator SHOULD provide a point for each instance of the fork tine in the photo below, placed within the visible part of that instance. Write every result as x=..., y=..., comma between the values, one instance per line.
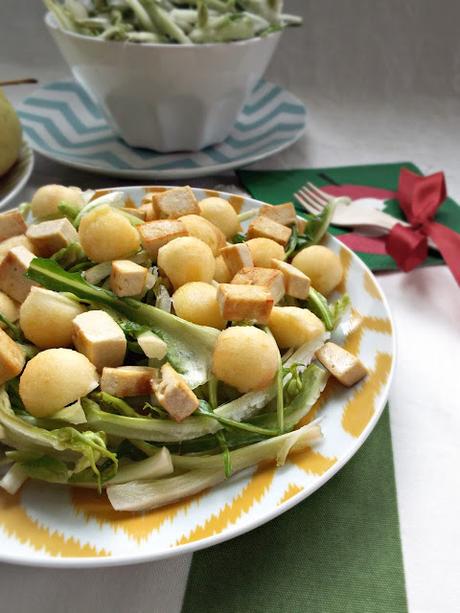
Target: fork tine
x=313, y=198
x=320, y=192
x=307, y=205
x=310, y=209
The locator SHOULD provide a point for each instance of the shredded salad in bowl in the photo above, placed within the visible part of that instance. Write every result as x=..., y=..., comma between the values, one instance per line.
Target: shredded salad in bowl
x=152, y=350
x=172, y=21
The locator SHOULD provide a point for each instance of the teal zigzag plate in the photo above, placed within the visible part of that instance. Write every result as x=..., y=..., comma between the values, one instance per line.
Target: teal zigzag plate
x=62, y=123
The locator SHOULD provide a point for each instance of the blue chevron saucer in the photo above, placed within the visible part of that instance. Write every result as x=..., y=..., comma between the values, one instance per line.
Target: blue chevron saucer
x=62, y=123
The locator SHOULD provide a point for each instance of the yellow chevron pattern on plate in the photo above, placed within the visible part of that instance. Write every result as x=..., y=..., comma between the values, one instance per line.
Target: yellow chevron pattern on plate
x=61, y=527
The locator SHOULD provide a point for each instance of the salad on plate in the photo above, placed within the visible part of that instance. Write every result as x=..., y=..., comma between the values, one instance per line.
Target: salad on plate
x=152, y=350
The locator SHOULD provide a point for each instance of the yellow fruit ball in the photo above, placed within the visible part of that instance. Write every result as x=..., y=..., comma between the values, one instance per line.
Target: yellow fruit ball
x=263, y=250
x=55, y=378
x=46, y=318
x=221, y=213
x=106, y=235
x=46, y=200
x=322, y=265
x=186, y=259
x=246, y=358
x=201, y=228
x=222, y=273
x=293, y=326
x=10, y=135
x=197, y=302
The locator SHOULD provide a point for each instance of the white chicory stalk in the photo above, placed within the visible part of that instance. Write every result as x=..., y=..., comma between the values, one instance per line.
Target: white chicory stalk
x=144, y=495
x=115, y=200
x=306, y=352
x=154, y=467
x=13, y=479
x=73, y=414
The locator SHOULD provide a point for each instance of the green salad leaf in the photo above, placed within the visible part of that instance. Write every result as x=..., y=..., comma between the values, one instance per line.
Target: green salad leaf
x=65, y=443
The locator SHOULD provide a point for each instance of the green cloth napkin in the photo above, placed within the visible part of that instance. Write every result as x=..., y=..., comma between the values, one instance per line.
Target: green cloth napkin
x=279, y=186
x=339, y=551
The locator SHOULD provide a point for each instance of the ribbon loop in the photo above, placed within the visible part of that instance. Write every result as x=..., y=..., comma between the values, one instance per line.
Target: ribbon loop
x=420, y=198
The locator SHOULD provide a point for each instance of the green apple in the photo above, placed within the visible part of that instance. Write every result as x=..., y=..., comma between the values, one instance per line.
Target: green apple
x=10, y=134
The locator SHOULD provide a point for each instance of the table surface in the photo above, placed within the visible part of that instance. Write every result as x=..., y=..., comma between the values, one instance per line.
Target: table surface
x=398, y=101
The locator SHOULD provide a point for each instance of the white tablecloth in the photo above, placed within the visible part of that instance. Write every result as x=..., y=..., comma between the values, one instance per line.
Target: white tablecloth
x=378, y=89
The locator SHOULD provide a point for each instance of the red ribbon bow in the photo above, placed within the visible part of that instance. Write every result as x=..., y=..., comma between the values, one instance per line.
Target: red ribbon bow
x=420, y=198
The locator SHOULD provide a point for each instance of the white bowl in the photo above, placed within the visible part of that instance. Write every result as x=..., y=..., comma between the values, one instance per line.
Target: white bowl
x=167, y=97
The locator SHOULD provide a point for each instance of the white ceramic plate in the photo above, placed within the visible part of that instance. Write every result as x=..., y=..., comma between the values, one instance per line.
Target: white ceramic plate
x=15, y=179
x=45, y=525
x=63, y=124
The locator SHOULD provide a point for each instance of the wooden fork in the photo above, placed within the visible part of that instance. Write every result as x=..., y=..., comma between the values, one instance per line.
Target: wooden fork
x=349, y=214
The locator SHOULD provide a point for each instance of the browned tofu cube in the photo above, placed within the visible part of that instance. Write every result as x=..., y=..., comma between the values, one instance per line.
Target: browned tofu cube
x=301, y=225
x=15, y=241
x=100, y=338
x=155, y=234
x=50, y=236
x=13, y=268
x=271, y=280
x=236, y=257
x=11, y=224
x=285, y=214
x=148, y=207
x=173, y=394
x=127, y=278
x=8, y=308
x=296, y=283
x=244, y=302
x=12, y=359
x=174, y=203
x=342, y=364
x=264, y=227
x=127, y=381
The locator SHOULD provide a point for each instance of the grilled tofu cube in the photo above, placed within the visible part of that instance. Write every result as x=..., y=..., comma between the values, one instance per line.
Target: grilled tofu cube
x=148, y=207
x=271, y=280
x=8, y=308
x=127, y=381
x=173, y=394
x=296, y=283
x=15, y=241
x=285, y=214
x=12, y=359
x=244, y=302
x=11, y=224
x=127, y=278
x=264, y=227
x=49, y=236
x=13, y=268
x=152, y=345
x=155, y=234
x=301, y=225
x=236, y=257
x=342, y=364
x=174, y=203
x=100, y=338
